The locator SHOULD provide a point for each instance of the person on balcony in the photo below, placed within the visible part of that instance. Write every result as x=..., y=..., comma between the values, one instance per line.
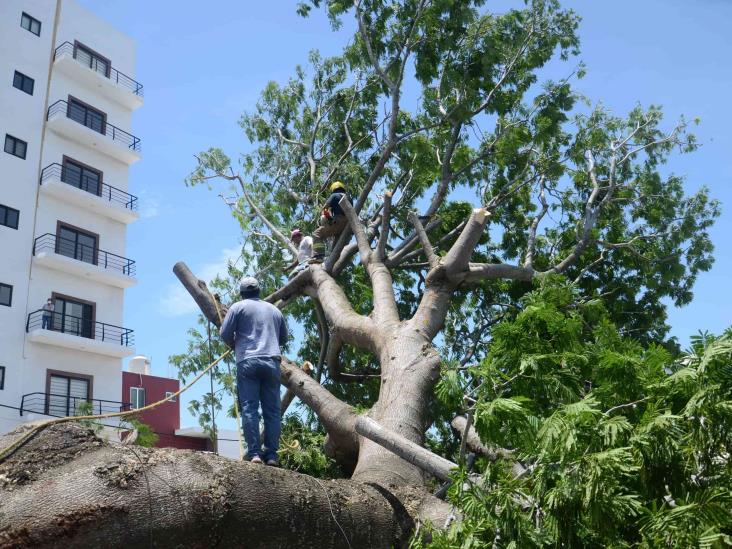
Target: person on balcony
x=47, y=318
x=257, y=331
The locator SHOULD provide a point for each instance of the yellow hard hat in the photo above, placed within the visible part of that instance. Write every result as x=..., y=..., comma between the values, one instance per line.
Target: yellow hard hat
x=336, y=185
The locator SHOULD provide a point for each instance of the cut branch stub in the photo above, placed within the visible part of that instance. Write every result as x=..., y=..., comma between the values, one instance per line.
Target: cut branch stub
x=200, y=294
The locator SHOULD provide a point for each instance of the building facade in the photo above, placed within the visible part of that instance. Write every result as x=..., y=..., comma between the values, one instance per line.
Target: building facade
x=67, y=94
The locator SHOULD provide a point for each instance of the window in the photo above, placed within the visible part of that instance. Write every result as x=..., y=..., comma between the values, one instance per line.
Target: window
x=82, y=177
x=77, y=244
x=170, y=393
x=86, y=115
x=16, y=147
x=30, y=24
x=66, y=394
x=23, y=82
x=2, y=378
x=92, y=59
x=73, y=317
x=137, y=397
x=6, y=294
x=9, y=216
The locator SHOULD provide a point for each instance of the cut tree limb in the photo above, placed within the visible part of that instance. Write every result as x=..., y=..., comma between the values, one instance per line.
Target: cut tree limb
x=493, y=453
x=67, y=488
x=405, y=448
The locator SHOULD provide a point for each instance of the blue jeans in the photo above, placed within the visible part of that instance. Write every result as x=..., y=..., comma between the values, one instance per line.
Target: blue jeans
x=46, y=322
x=258, y=381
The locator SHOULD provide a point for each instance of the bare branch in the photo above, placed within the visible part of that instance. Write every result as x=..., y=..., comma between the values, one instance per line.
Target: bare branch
x=384, y=233
x=271, y=226
x=471, y=438
x=481, y=271
x=531, y=244
x=364, y=247
x=424, y=240
x=369, y=49
x=405, y=448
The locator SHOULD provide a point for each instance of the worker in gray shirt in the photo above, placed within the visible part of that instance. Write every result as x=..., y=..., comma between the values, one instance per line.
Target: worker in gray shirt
x=257, y=331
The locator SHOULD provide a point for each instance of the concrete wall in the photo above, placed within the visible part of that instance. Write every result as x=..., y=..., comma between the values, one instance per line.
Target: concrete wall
x=23, y=116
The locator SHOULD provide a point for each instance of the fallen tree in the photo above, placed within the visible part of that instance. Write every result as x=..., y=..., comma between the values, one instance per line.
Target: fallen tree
x=568, y=196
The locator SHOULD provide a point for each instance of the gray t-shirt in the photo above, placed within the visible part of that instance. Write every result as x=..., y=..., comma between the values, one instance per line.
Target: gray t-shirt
x=254, y=328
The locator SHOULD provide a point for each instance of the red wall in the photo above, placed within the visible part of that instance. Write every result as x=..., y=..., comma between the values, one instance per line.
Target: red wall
x=163, y=419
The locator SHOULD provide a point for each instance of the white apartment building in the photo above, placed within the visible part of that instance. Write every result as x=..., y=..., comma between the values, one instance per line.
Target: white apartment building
x=67, y=93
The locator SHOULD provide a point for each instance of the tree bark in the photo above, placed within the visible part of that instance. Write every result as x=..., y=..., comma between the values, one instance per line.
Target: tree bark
x=68, y=488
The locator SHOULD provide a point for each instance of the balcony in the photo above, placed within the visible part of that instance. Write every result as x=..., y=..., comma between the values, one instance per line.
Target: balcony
x=73, y=123
x=98, y=75
x=56, y=252
x=90, y=193
x=81, y=334
x=53, y=405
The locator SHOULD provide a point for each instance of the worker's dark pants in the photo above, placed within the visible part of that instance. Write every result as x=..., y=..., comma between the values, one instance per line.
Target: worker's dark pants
x=258, y=381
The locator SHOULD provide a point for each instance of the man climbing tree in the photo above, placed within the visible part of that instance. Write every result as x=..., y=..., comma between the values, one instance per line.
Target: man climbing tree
x=464, y=193
x=332, y=220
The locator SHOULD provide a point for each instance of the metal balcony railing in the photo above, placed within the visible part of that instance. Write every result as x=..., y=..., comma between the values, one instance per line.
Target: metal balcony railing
x=85, y=118
x=66, y=405
x=90, y=185
x=102, y=68
x=88, y=254
x=81, y=327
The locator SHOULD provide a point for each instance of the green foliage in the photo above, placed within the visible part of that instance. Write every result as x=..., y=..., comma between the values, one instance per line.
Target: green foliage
x=146, y=437
x=551, y=372
x=87, y=409
x=301, y=449
x=625, y=445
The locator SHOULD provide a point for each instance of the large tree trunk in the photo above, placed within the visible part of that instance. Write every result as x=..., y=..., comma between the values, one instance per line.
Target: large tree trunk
x=409, y=368
x=68, y=488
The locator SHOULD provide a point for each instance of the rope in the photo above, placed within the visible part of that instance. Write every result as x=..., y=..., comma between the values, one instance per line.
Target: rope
x=5, y=452
x=236, y=394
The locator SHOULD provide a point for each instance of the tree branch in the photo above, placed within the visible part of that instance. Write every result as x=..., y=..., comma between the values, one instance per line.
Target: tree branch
x=424, y=240
x=384, y=233
x=405, y=448
x=364, y=247
x=531, y=244
x=458, y=257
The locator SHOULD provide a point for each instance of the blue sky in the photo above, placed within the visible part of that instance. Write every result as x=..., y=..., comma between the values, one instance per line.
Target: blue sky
x=204, y=63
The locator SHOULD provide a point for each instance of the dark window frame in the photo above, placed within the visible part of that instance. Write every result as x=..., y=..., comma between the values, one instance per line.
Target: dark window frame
x=9, y=287
x=78, y=103
x=2, y=378
x=94, y=55
x=69, y=375
x=23, y=79
x=4, y=210
x=15, y=141
x=66, y=160
x=61, y=225
x=93, y=305
x=25, y=17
